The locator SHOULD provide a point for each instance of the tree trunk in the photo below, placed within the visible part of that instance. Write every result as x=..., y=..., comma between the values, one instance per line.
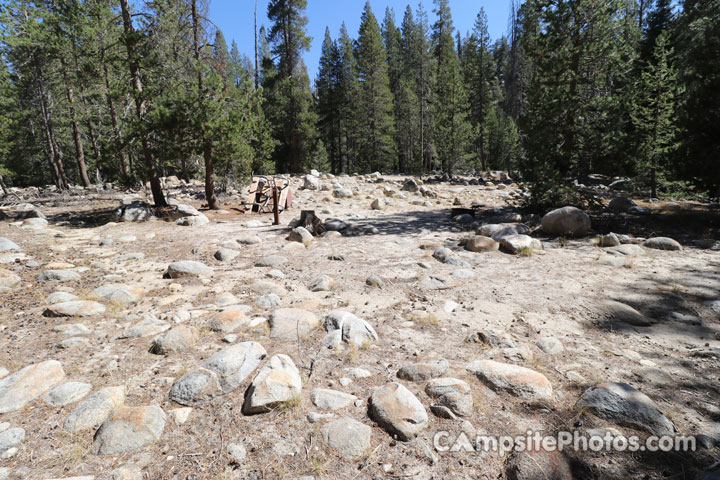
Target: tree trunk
x=79, y=151
x=4, y=187
x=206, y=145
x=54, y=157
x=140, y=107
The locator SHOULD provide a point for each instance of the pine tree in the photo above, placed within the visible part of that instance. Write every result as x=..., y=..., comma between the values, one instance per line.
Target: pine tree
x=452, y=130
x=698, y=58
x=376, y=126
x=289, y=101
x=327, y=88
x=348, y=98
x=654, y=115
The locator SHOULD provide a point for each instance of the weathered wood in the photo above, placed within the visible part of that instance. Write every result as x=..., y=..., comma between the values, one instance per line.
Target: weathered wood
x=311, y=223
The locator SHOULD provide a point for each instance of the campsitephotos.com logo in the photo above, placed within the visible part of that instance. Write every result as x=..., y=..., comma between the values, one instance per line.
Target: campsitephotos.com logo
x=445, y=441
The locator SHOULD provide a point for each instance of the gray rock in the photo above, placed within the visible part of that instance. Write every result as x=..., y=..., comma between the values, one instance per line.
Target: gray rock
x=145, y=328
x=92, y=411
x=538, y=465
x=24, y=386
x=323, y=283
x=60, y=297
x=311, y=182
x=277, y=382
x=550, y=345
x=193, y=221
x=621, y=204
x=410, y=185
x=375, y=281
x=75, y=308
x=59, y=276
x=236, y=452
x=335, y=225
x=271, y=261
x=134, y=212
x=445, y=255
x=196, y=388
x=226, y=255
x=436, y=282
x=518, y=243
x=331, y=399
x=662, y=243
x=480, y=243
x=72, y=330
x=301, y=235
x=354, y=330
x=267, y=301
x=624, y=405
x=638, y=210
x=228, y=320
x=73, y=342
x=182, y=337
x=497, y=231
x=129, y=429
x=342, y=193
x=10, y=439
x=235, y=363
x=7, y=245
x=609, y=240
x=248, y=240
x=626, y=314
x=520, y=381
x=398, y=411
x=291, y=324
x=188, y=268
x=451, y=393
x=349, y=437
x=421, y=372
x=566, y=221
x=67, y=393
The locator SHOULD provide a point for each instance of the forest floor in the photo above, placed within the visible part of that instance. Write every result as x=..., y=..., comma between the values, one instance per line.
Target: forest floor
x=517, y=302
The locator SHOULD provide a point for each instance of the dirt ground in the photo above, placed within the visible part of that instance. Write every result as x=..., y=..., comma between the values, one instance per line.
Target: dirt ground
x=554, y=292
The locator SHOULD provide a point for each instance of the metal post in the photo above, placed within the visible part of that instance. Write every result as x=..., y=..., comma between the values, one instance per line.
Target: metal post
x=276, y=207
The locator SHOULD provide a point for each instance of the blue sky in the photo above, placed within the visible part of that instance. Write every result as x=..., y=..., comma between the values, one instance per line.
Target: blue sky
x=235, y=19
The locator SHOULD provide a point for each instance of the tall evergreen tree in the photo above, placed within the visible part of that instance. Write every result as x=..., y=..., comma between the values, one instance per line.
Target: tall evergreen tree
x=289, y=101
x=452, y=130
x=376, y=126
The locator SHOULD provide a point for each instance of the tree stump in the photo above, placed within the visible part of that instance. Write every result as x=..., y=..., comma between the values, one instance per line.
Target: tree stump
x=311, y=223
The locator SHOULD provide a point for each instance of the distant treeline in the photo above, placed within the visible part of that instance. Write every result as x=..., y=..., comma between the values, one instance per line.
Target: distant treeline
x=94, y=90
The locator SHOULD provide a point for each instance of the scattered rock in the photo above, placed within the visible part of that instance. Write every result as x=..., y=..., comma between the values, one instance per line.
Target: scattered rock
x=566, y=221
x=301, y=235
x=182, y=337
x=67, y=393
x=621, y=204
x=75, y=308
x=129, y=429
x=7, y=245
x=291, y=324
x=624, y=405
x=188, y=268
x=196, y=388
x=626, y=314
x=227, y=321
x=662, y=243
x=421, y=372
x=349, y=437
x=10, y=439
x=323, y=283
x=271, y=261
x=451, y=393
x=59, y=276
x=24, y=386
x=267, y=301
x=145, y=328
x=226, y=254
x=520, y=381
x=519, y=243
x=277, y=382
x=354, y=330
x=549, y=345
x=538, y=465
x=479, y=243
x=398, y=411
x=331, y=399
x=445, y=255
x=235, y=363
x=92, y=411
x=9, y=279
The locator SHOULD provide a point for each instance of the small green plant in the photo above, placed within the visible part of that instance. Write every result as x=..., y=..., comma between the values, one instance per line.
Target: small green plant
x=289, y=404
x=563, y=242
x=525, y=252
